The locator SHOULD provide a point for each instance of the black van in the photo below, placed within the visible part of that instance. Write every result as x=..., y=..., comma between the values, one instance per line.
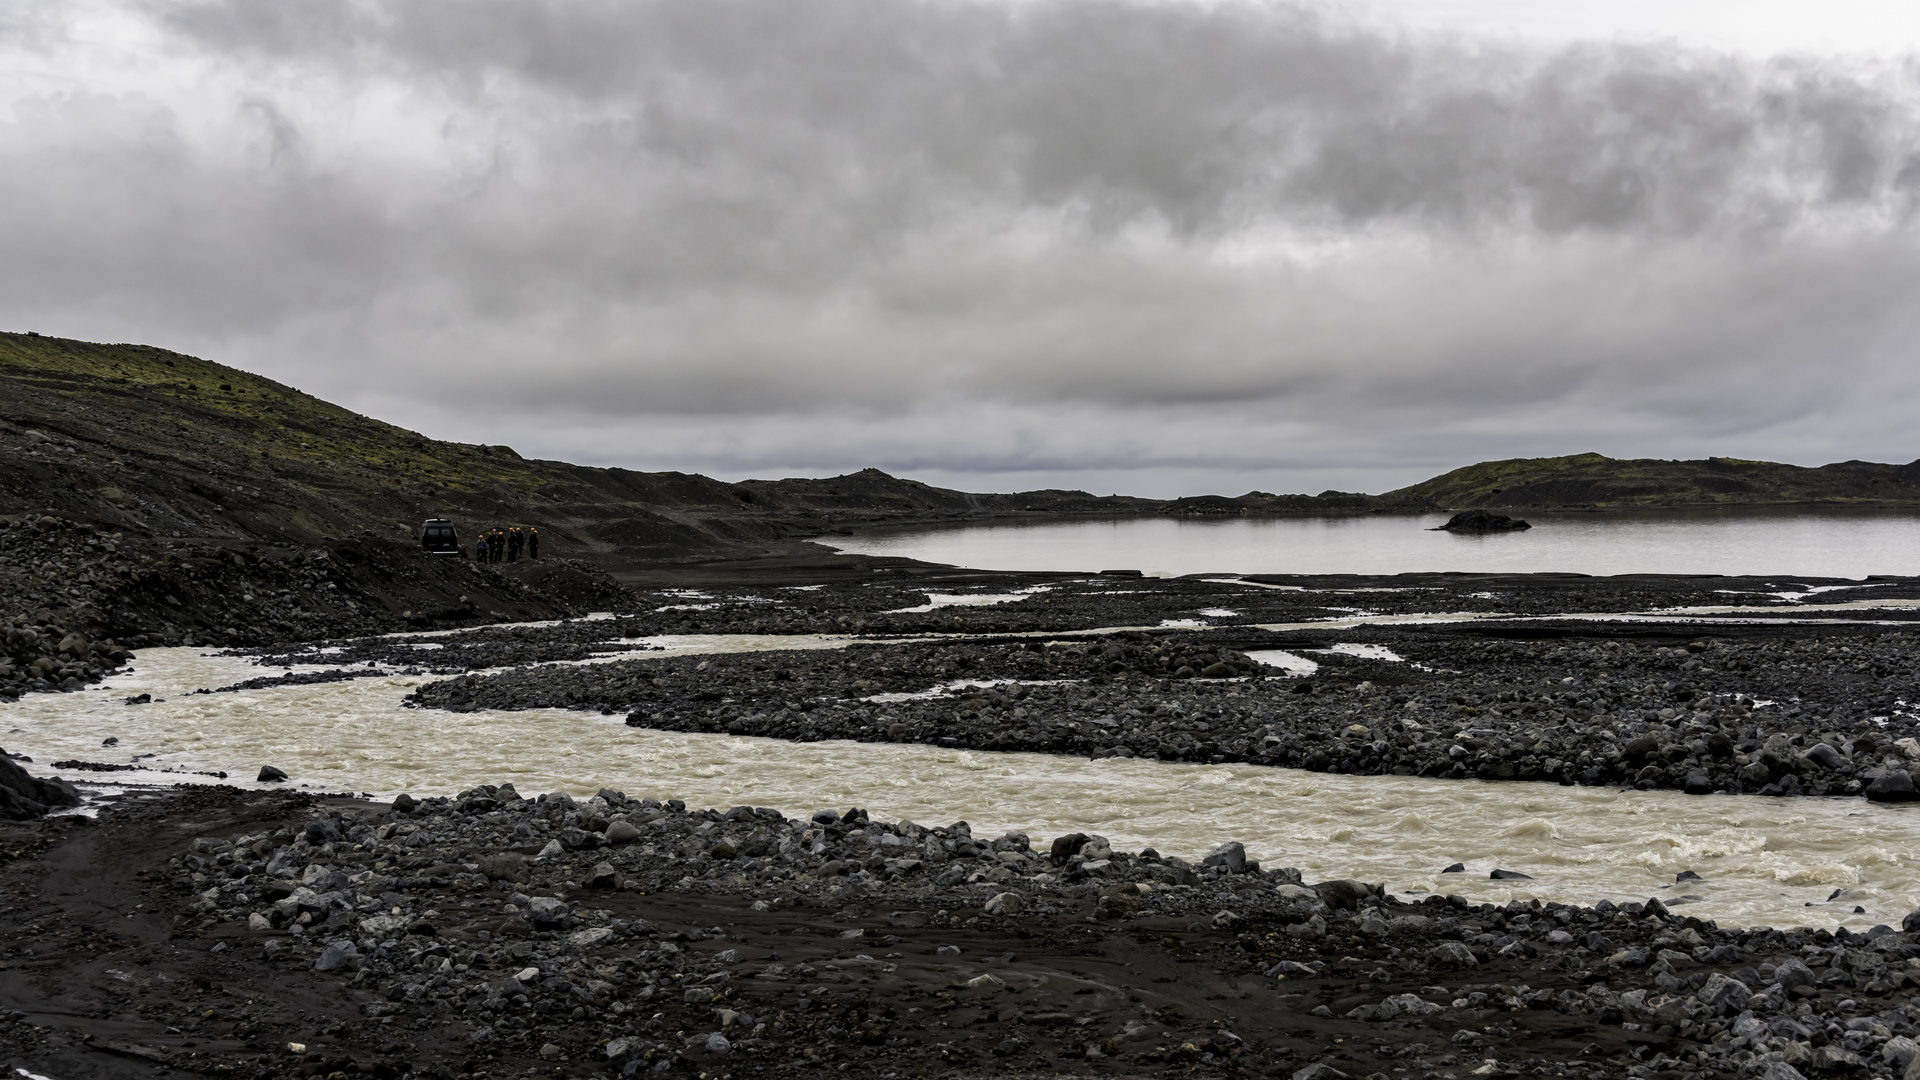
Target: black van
x=438, y=538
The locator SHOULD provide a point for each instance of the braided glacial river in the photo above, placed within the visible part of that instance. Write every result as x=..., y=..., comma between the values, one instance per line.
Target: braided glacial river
x=1776, y=862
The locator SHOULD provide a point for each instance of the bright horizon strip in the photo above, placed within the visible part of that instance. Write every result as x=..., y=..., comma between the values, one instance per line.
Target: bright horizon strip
x=1754, y=27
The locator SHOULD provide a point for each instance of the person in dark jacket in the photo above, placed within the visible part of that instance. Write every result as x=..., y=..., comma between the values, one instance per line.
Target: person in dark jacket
x=533, y=544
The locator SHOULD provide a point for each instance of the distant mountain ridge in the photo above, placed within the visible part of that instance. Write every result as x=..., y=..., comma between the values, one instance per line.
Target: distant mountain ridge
x=137, y=437
x=1594, y=481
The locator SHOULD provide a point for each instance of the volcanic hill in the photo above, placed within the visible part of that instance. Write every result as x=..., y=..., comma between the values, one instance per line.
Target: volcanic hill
x=1594, y=481
x=149, y=496
x=136, y=437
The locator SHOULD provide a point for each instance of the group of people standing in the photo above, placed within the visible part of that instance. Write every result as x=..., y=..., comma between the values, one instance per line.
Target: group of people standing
x=505, y=545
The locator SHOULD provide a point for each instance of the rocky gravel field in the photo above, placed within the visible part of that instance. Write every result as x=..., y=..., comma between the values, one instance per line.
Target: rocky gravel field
x=213, y=931
x=1820, y=709
x=486, y=934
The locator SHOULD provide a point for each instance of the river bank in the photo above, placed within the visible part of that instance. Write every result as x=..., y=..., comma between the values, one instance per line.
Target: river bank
x=271, y=934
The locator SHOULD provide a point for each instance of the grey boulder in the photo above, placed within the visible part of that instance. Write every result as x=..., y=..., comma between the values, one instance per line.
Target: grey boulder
x=1894, y=785
x=24, y=797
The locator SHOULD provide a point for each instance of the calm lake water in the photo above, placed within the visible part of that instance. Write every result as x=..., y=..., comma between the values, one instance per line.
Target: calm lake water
x=1773, y=544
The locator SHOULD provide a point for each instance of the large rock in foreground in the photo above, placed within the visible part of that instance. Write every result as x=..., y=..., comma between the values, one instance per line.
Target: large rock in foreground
x=23, y=797
x=1894, y=785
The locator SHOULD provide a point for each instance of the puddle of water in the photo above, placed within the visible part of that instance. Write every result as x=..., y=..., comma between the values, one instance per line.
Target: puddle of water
x=1253, y=584
x=401, y=635
x=961, y=684
x=945, y=600
x=1765, y=860
x=1367, y=652
x=1891, y=604
x=1284, y=660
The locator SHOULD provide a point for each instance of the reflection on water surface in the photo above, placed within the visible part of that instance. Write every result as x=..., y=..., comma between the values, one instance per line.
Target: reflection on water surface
x=1852, y=545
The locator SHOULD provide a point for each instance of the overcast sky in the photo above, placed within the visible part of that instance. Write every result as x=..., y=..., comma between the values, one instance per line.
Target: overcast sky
x=1157, y=247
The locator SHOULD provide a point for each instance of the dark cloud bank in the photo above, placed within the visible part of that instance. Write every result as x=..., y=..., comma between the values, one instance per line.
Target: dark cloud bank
x=1141, y=246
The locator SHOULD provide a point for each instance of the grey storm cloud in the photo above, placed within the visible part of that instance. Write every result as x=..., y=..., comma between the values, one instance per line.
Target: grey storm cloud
x=1053, y=236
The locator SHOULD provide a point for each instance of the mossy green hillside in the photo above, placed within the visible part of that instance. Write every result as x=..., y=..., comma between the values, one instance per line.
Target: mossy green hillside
x=1598, y=481
x=276, y=423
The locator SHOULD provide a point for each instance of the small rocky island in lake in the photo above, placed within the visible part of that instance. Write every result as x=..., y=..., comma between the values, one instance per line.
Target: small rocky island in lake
x=1481, y=521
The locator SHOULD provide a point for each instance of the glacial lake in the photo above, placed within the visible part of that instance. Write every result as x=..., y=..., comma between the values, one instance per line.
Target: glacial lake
x=1782, y=544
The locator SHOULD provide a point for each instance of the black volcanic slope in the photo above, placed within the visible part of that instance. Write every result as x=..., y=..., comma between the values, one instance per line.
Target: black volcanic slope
x=134, y=437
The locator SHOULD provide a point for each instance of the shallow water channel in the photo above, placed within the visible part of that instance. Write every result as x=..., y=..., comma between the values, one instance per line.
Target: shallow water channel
x=1765, y=861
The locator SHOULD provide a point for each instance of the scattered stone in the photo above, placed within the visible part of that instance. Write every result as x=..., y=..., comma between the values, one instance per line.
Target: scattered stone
x=1230, y=856
x=1894, y=785
x=1005, y=903
x=422, y=920
x=1066, y=847
x=1343, y=893
x=1793, y=973
x=336, y=956
x=24, y=797
x=593, y=938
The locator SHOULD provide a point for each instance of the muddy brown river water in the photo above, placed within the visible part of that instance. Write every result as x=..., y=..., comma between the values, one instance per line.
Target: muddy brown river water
x=1776, y=862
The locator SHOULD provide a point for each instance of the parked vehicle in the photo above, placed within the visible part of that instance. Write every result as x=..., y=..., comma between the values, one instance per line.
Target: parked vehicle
x=438, y=538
